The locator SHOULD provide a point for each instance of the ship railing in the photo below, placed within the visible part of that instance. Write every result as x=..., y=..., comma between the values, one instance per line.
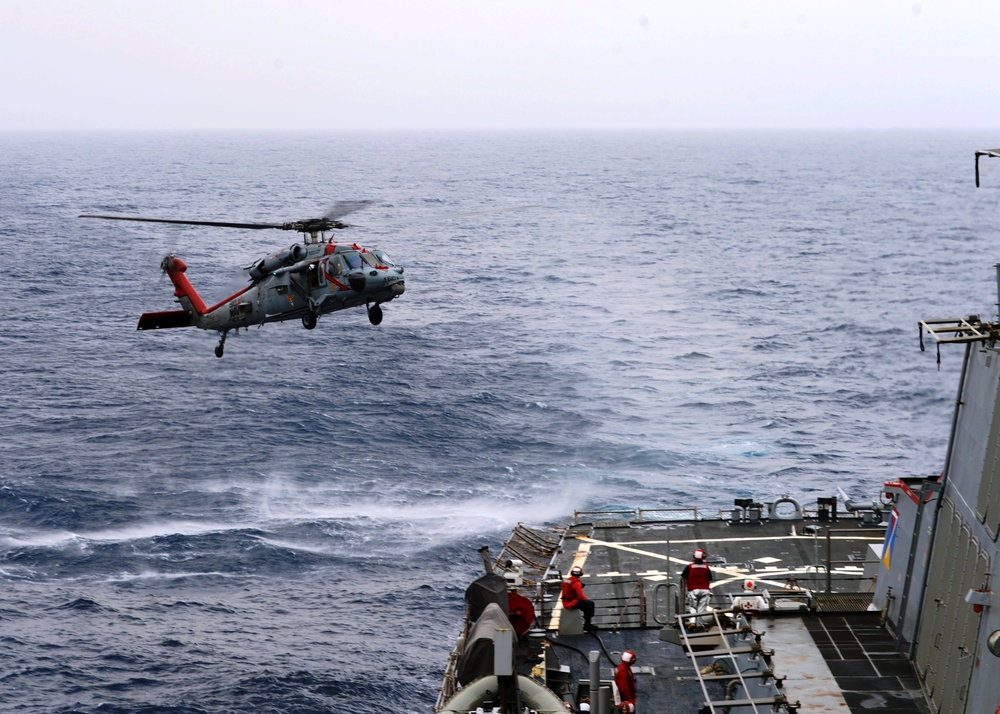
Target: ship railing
x=611, y=614
x=829, y=563
x=635, y=515
x=637, y=596
x=625, y=608
x=535, y=546
x=448, y=686
x=828, y=574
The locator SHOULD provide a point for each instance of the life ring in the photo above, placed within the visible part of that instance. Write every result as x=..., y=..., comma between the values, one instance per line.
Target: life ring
x=773, y=509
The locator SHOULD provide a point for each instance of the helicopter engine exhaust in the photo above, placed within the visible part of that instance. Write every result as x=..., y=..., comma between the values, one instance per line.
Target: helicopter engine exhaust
x=286, y=257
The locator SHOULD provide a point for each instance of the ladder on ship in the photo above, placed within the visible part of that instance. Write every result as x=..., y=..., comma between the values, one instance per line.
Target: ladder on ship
x=729, y=652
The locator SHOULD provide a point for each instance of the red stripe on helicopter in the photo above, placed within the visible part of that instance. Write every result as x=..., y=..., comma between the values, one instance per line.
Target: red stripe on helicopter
x=219, y=304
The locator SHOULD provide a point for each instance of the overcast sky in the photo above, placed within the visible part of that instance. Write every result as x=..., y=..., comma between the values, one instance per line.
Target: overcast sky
x=397, y=64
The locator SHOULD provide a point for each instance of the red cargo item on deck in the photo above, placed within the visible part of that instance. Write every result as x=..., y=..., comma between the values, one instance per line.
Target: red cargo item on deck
x=522, y=612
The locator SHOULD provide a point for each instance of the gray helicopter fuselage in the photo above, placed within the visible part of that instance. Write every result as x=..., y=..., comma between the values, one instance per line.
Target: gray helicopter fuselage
x=312, y=277
x=304, y=281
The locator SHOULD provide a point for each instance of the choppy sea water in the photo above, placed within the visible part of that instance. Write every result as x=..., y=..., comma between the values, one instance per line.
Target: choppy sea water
x=682, y=319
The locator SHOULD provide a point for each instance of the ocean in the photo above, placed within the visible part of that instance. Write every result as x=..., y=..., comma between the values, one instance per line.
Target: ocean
x=679, y=319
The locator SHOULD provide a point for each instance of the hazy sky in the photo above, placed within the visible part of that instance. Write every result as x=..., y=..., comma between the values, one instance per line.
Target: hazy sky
x=357, y=64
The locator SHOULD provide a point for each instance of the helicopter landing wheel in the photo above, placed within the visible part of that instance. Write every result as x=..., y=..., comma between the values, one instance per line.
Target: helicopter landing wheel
x=309, y=320
x=220, y=348
x=375, y=314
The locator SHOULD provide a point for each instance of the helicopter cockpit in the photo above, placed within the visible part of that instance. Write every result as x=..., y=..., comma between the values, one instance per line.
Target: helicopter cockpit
x=344, y=261
x=334, y=266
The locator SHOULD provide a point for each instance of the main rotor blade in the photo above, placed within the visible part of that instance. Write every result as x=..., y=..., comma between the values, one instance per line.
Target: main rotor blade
x=219, y=224
x=342, y=208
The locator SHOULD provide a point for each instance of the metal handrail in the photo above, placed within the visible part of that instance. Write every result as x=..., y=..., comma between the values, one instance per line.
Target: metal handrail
x=639, y=515
x=829, y=561
x=671, y=614
x=641, y=590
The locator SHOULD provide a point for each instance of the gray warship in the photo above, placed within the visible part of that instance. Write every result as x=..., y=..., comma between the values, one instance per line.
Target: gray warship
x=824, y=607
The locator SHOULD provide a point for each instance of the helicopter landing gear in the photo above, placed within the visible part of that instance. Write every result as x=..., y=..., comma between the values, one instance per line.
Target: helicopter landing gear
x=221, y=347
x=309, y=320
x=375, y=314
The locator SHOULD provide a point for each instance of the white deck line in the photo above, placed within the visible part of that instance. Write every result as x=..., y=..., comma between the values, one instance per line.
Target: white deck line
x=579, y=558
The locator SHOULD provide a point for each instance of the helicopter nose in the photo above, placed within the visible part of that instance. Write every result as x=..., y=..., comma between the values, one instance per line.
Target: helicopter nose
x=398, y=288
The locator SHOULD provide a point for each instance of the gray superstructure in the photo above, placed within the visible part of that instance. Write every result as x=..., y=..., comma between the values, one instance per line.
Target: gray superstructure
x=938, y=588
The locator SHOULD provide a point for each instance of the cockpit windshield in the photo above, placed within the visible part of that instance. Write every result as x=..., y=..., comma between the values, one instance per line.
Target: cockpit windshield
x=370, y=259
x=353, y=260
x=382, y=257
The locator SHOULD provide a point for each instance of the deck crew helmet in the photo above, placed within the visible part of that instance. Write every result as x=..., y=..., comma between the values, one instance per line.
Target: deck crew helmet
x=699, y=554
x=628, y=656
x=576, y=570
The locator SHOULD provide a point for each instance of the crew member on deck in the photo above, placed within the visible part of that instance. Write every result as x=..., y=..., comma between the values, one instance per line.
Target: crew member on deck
x=697, y=579
x=574, y=599
x=697, y=575
x=625, y=681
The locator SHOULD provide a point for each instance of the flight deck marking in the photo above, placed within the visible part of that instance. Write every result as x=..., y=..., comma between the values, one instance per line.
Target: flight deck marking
x=579, y=558
x=659, y=556
x=734, y=573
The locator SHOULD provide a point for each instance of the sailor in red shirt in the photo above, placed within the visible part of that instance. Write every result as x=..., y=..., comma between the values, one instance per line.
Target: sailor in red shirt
x=574, y=599
x=697, y=578
x=625, y=681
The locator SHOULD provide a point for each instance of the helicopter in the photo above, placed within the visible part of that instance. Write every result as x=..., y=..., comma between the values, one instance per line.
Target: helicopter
x=304, y=281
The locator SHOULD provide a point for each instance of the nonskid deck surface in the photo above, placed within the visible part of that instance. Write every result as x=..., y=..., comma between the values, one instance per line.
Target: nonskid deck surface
x=835, y=658
x=865, y=663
